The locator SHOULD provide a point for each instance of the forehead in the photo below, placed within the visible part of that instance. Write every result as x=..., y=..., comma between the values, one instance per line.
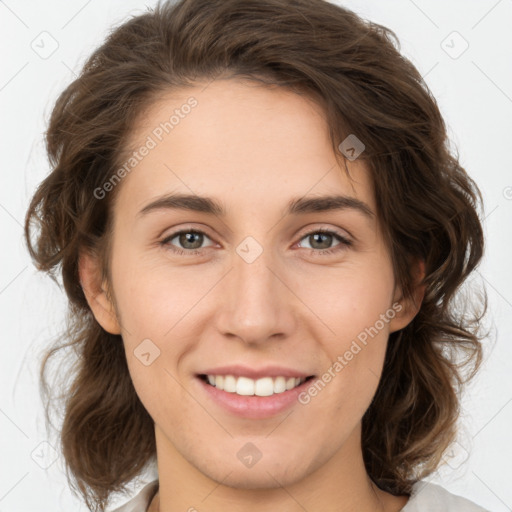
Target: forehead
x=250, y=144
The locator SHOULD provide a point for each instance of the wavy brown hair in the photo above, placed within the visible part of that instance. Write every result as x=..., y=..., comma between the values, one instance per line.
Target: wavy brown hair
x=426, y=203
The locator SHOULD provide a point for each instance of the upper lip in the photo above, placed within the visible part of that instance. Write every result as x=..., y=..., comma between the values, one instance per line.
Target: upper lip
x=255, y=373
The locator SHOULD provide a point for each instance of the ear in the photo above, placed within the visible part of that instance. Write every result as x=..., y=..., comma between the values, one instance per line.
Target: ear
x=409, y=308
x=96, y=294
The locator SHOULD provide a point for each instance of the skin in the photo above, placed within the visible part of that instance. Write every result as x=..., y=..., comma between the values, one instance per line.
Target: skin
x=253, y=148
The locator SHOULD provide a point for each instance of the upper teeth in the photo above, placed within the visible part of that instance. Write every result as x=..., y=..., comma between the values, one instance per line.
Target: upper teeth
x=265, y=386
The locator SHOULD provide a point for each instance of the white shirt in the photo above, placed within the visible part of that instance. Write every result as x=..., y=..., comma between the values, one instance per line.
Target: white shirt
x=425, y=497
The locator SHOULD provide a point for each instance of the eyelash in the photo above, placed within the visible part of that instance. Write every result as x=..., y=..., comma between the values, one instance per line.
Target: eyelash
x=344, y=242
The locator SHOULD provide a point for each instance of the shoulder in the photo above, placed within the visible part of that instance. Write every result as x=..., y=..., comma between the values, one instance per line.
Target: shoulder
x=141, y=501
x=430, y=497
x=425, y=497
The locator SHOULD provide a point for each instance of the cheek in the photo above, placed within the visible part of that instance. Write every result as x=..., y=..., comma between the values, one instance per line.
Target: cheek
x=358, y=315
x=351, y=301
x=152, y=299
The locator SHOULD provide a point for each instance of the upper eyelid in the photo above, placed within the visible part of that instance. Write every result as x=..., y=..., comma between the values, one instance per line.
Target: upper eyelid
x=172, y=235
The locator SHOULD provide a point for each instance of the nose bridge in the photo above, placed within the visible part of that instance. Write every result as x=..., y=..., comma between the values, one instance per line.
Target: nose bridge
x=257, y=304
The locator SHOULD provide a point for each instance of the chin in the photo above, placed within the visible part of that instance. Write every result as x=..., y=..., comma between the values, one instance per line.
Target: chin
x=254, y=479
x=265, y=474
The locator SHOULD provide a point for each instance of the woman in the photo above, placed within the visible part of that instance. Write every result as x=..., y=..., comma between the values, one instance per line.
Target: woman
x=261, y=230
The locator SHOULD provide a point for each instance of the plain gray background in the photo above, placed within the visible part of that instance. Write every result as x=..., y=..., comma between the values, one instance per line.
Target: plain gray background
x=44, y=45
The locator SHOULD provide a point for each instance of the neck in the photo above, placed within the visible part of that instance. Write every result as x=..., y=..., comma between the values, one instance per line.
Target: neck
x=340, y=484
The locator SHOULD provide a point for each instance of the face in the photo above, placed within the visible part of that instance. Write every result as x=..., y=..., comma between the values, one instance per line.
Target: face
x=258, y=290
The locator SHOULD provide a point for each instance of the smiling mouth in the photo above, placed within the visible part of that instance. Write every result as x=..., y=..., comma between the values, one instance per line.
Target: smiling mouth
x=244, y=386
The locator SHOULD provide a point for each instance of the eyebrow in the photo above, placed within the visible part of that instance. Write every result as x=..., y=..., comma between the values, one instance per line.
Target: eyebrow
x=298, y=206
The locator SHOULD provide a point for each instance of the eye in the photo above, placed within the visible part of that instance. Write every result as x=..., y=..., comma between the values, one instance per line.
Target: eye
x=321, y=240
x=190, y=239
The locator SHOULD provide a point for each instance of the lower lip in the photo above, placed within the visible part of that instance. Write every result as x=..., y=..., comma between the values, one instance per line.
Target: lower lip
x=254, y=407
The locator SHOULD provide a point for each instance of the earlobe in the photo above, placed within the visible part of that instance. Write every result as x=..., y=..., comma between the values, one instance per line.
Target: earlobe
x=409, y=308
x=96, y=293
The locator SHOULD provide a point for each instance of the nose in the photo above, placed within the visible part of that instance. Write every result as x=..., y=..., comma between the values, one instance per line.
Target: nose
x=256, y=304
